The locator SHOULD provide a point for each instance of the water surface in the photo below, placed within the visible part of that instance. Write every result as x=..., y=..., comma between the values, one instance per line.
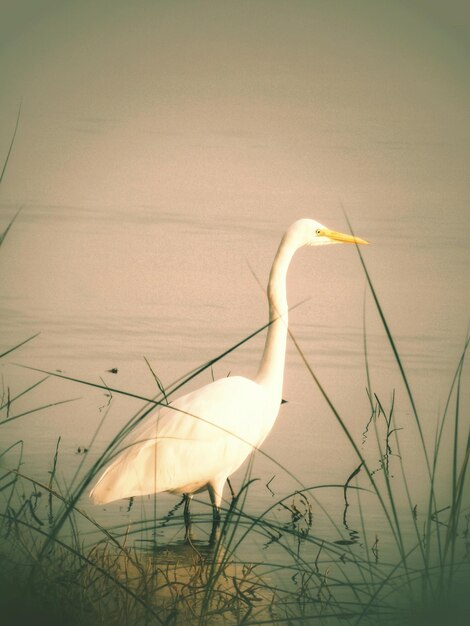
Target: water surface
x=156, y=174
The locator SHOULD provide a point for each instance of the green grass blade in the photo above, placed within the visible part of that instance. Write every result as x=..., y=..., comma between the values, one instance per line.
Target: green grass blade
x=9, y=153
x=18, y=345
x=394, y=350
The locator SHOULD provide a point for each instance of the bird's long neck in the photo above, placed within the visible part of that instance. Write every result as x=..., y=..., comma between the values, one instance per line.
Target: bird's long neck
x=271, y=369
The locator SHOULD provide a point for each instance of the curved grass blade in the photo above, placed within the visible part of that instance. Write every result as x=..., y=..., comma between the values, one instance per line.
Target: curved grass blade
x=8, y=158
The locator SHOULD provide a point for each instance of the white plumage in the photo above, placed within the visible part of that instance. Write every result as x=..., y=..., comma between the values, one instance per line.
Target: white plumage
x=198, y=441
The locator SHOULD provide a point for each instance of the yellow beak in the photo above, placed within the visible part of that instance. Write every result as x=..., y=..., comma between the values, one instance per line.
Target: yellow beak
x=332, y=234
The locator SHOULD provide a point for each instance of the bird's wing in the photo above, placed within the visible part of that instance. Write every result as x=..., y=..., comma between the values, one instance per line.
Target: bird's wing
x=204, y=434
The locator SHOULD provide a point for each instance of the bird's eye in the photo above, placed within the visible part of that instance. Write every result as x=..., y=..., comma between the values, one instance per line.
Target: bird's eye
x=318, y=232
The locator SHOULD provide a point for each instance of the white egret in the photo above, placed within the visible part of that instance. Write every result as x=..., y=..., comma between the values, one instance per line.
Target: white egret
x=200, y=439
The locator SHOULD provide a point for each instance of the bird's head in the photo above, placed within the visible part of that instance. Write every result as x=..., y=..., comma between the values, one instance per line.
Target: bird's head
x=309, y=232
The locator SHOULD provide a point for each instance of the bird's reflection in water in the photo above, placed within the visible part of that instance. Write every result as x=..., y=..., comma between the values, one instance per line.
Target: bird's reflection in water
x=196, y=574
x=186, y=549
x=184, y=552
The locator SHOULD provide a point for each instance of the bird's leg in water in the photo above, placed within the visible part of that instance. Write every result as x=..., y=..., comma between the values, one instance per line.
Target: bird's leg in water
x=234, y=497
x=187, y=516
x=215, y=531
x=231, y=488
x=215, y=493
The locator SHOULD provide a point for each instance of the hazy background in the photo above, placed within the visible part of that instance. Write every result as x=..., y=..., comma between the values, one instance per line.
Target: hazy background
x=163, y=145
